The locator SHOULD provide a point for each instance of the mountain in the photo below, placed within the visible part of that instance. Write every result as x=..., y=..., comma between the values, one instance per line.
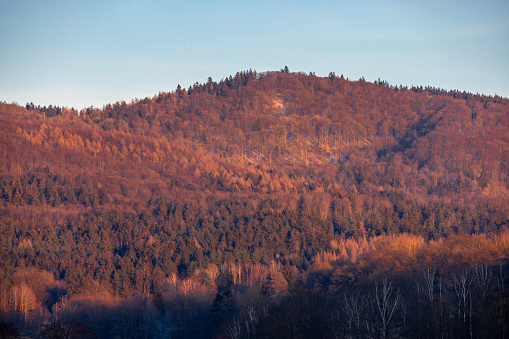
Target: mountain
x=254, y=168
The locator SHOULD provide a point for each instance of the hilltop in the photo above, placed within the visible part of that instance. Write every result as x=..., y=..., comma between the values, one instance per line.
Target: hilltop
x=275, y=135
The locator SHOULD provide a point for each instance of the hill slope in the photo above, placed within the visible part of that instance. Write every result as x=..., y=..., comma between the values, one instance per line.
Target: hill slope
x=173, y=182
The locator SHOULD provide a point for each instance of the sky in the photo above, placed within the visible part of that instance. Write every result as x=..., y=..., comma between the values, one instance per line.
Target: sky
x=90, y=53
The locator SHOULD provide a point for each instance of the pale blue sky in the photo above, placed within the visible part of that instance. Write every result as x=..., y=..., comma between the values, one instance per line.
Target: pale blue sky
x=83, y=53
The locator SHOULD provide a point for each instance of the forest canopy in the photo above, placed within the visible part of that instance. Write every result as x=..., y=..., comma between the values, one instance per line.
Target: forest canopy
x=258, y=176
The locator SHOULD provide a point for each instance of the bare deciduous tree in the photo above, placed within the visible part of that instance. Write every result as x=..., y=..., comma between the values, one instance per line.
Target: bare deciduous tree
x=482, y=281
x=429, y=280
x=350, y=313
x=384, y=303
x=462, y=281
x=233, y=329
x=251, y=320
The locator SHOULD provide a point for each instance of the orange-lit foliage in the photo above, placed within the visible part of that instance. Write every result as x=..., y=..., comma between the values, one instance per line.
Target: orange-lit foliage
x=245, y=181
x=397, y=255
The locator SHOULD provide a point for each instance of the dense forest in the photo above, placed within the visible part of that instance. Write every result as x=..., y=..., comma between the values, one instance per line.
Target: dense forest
x=271, y=204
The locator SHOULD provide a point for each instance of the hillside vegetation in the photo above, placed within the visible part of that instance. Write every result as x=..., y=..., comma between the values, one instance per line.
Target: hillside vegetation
x=261, y=179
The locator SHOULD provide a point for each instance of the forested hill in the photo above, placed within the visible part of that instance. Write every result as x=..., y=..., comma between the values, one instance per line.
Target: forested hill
x=271, y=135
x=265, y=199
x=290, y=160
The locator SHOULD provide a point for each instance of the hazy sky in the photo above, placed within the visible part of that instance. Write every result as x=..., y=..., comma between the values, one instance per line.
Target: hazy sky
x=83, y=53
